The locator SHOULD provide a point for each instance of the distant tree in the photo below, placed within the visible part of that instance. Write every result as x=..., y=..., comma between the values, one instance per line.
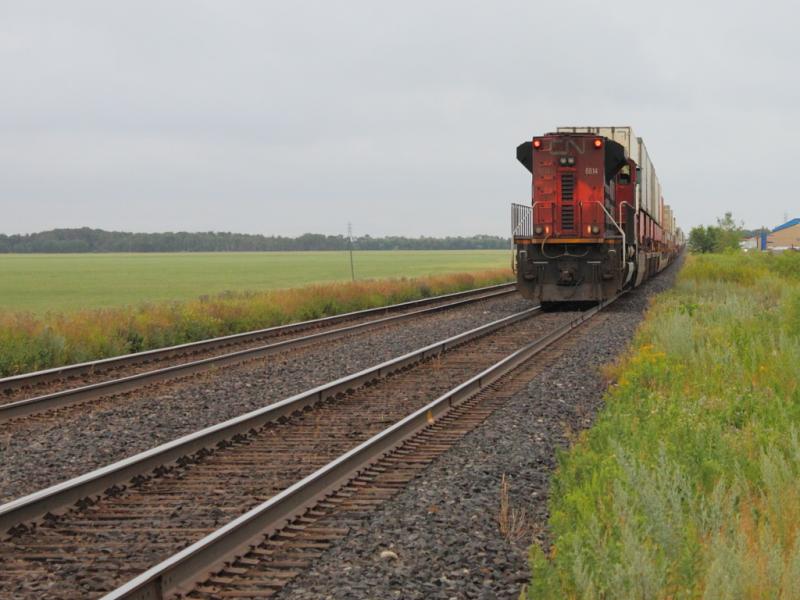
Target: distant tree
x=729, y=233
x=98, y=240
x=725, y=236
x=703, y=239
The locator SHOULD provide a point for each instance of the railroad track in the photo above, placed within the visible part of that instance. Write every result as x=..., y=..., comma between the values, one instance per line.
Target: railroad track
x=125, y=373
x=255, y=474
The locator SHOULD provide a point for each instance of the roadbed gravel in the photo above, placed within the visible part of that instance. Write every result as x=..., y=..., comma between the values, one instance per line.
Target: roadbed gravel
x=441, y=531
x=43, y=450
x=149, y=522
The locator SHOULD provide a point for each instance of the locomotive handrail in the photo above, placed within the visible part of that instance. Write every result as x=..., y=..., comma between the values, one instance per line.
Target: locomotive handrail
x=524, y=222
x=611, y=217
x=635, y=242
x=620, y=208
x=521, y=211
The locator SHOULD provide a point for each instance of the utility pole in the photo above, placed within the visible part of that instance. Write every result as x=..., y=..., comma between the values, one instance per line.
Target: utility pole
x=350, y=248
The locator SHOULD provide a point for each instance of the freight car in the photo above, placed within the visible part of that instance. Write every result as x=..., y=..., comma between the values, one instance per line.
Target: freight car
x=597, y=223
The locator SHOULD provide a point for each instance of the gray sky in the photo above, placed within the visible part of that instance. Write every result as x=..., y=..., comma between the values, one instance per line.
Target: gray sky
x=402, y=117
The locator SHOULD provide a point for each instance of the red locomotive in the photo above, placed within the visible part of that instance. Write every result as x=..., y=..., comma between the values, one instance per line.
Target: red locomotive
x=597, y=224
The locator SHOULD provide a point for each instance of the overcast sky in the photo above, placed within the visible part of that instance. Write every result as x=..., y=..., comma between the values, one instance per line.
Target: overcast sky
x=402, y=117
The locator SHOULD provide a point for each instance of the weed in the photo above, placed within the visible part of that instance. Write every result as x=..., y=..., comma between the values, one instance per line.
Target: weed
x=513, y=522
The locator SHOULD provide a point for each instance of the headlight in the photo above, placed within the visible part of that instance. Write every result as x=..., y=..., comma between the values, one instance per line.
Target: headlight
x=562, y=161
x=571, y=160
x=595, y=229
x=538, y=230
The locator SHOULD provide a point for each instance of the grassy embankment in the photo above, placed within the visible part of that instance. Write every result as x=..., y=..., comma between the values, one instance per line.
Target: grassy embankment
x=688, y=485
x=30, y=342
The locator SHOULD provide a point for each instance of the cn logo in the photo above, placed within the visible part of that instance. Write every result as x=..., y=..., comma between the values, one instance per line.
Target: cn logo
x=563, y=146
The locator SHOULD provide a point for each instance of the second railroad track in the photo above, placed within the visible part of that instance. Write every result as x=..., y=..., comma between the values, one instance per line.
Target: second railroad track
x=72, y=384
x=170, y=518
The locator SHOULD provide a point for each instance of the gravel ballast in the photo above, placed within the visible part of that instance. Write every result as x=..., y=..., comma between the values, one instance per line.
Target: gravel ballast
x=43, y=451
x=148, y=522
x=441, y=531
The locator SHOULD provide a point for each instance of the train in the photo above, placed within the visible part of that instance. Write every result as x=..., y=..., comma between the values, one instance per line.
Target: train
x=597, y=224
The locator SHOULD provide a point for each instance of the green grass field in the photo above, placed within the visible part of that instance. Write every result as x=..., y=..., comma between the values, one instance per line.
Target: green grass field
x=688, y=484
x=64, y=282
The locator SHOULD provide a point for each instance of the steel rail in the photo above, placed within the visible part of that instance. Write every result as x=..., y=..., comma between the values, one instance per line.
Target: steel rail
x=74, y=370
x=37, y=404
x=190, y=566
x=65, y=494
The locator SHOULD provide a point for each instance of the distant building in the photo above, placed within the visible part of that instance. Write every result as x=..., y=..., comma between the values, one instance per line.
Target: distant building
x=757, y=242
x=785, y=237
x=750, y=243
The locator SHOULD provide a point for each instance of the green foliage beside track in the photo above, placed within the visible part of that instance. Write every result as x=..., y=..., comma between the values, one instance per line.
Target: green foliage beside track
x=688, y=485
x=726, y=235
x=31, y=342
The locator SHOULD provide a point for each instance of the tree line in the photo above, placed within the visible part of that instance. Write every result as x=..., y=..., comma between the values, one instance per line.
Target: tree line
x=99, y=240
x=725, y=235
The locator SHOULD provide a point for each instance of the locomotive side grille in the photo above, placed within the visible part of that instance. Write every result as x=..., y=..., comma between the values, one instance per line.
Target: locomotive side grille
x=567, y=187
x=568, y=217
